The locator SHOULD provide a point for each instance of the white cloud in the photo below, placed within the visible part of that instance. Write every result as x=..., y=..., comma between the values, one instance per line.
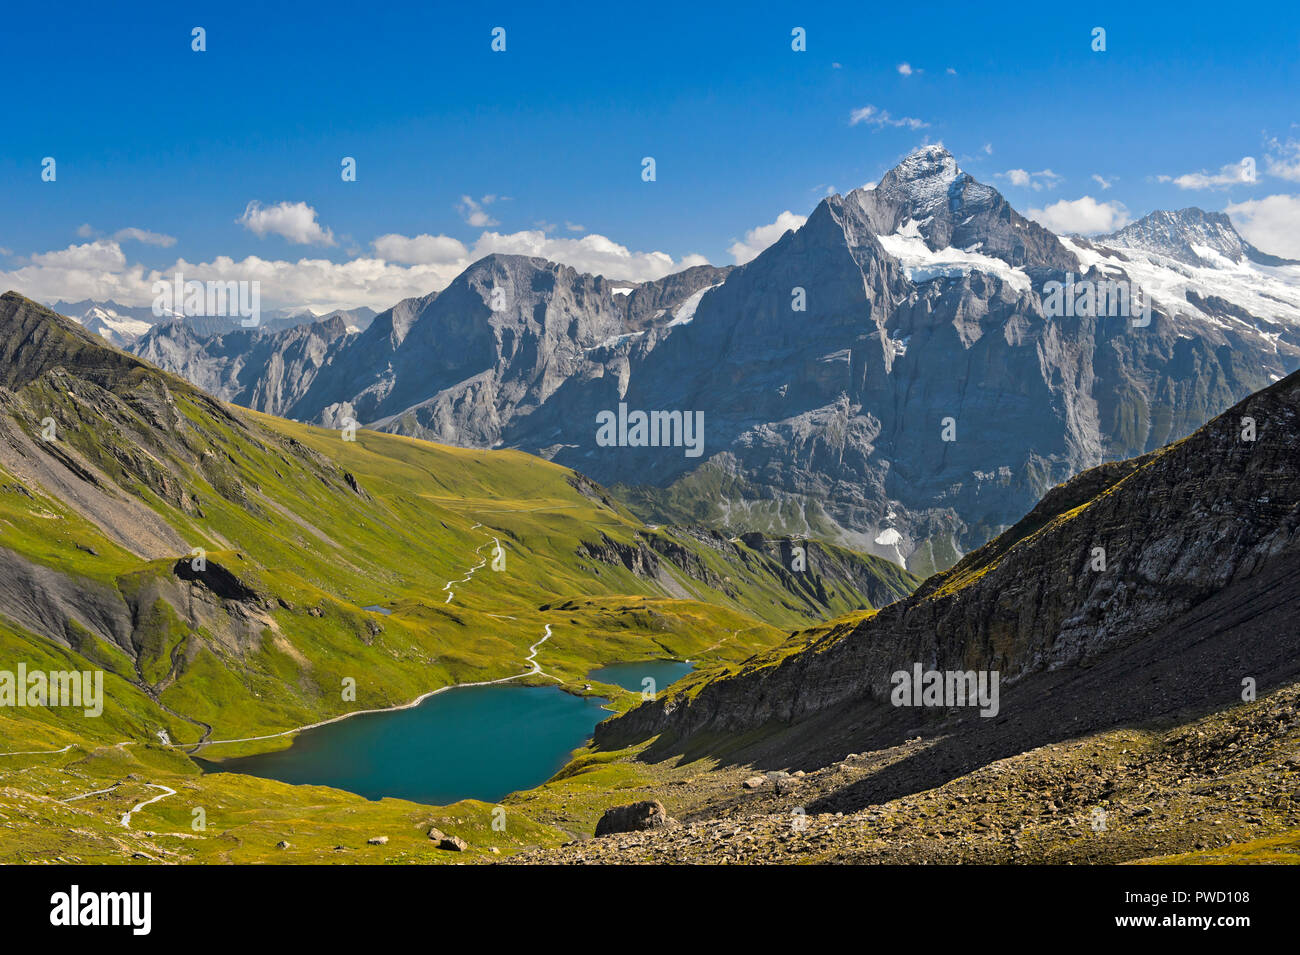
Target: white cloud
x=760, y=237
x=92, y=270
x=401, y=267
x=295, y=221
x=423, y=249
x=1038, y=181
x=1103, y=181
x=133, y=234
x=1233, y=174
x=1084, y=215
x=1272, y=224
x=879, y=118
x=101, y=255
x=474, y=213
x=905, y=69
x=592, y=253
x=1283, y=161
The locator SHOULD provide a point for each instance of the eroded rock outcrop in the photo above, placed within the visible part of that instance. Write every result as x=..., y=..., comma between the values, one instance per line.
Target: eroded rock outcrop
x=635, y=817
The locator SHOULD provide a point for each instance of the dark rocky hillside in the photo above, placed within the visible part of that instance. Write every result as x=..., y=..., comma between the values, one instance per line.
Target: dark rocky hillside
x=1201, y=579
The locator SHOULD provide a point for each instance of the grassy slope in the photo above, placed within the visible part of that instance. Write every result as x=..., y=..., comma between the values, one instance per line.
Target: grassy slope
x=273, y=504
x=317, y=552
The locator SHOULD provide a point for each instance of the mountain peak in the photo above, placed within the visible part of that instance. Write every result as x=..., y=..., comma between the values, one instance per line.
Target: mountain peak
x=1191, y=236
x=924, y=179
x=928, y=162
x=928, y=196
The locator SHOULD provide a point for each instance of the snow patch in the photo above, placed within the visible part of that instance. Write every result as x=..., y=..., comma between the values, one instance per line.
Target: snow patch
x=1271, y=292
x=921, y=263
x=686, y=311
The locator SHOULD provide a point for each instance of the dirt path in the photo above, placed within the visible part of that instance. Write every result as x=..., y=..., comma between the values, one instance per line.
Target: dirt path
x=166, y=791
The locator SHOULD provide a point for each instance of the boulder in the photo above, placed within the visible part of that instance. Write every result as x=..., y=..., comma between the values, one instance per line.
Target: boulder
x=453, y=844
x=634, y=817
x=377, y=841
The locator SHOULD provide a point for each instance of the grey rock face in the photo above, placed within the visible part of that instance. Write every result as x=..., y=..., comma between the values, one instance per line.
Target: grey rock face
x=266, y=371
x=832, y=420
x=952, y=209
x=492, y=348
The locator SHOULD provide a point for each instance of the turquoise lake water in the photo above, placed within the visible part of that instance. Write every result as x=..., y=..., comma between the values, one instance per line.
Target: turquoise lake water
x=630, y=675
x=478, y=742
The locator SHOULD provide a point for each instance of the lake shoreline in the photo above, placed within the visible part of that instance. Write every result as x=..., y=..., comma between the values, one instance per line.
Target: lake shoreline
x=501, y=736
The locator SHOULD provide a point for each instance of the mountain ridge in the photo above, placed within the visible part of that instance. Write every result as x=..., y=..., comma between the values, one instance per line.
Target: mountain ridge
x=827, y=366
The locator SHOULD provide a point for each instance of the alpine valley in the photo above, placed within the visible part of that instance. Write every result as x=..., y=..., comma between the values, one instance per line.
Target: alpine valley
x=917, y=456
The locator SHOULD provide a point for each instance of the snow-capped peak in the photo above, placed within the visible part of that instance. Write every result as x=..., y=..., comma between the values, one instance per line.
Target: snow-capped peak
x=928, y=162
x=923, y=182
x=1191, y=236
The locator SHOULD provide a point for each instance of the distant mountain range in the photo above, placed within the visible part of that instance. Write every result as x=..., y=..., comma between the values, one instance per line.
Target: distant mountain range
x=122, y=325
x=118, y=324
x=891, y=374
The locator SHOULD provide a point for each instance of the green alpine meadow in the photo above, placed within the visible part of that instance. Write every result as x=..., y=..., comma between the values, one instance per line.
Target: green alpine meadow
x=216, y=565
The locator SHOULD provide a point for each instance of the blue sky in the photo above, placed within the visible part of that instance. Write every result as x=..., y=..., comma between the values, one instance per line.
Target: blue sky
x=149, y=135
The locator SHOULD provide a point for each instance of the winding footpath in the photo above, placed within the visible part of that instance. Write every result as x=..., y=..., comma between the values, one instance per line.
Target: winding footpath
x=167, y=791
x=479, y=566
x=40, y=752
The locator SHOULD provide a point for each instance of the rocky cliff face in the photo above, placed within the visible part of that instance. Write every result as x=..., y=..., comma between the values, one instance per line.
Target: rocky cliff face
x=1126, y=553
x=951, y=210
x=927, y=397
x=496, y=345
x=268, y=371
